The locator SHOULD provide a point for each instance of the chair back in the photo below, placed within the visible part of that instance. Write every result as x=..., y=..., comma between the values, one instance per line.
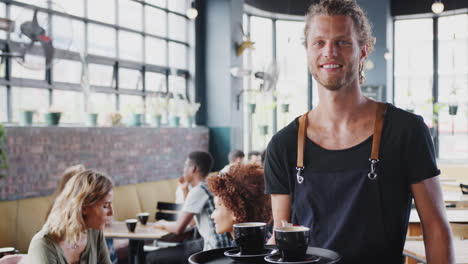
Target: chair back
x=464, y=188
x=460, y=230
x=167, y=211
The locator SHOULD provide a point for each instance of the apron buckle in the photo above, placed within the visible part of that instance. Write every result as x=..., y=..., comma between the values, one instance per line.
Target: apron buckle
x=373, y=174
x=300, y=178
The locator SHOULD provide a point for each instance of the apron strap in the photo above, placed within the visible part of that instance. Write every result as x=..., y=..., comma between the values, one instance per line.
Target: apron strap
x=374, y=159
x=301, y=136
x=378, y=126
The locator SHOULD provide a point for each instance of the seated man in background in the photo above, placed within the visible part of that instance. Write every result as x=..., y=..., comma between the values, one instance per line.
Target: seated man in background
x=239, y=197
x=255, y=157
x=199, y=203
x=235, y=157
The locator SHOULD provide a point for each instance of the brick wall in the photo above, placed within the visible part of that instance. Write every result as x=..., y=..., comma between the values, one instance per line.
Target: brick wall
x=38, y=155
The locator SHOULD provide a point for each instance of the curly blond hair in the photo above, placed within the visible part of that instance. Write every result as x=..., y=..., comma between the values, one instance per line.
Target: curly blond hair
x=242, y=191
x=65, y=221
x=345, y=8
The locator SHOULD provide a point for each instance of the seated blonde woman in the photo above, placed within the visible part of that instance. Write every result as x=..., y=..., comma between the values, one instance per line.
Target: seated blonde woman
x=73, y=230
x=239, y=197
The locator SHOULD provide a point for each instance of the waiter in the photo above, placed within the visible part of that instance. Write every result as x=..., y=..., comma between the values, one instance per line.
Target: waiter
x=349, y=168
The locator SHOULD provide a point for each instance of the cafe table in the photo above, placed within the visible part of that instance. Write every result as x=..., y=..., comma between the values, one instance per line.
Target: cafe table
x=415, y=250
x=136, y=239
x=455, y=197
x=455, y=215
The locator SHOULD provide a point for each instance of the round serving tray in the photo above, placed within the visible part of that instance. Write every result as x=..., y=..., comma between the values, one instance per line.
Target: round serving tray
x=216, y=256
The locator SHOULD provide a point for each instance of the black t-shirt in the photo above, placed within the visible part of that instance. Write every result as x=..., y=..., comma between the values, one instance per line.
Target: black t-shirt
x=406, y=157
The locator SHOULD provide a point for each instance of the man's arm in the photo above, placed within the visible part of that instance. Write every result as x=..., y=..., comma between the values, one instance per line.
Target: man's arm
x=281, y=209
x=176, y=227
x=436, y=230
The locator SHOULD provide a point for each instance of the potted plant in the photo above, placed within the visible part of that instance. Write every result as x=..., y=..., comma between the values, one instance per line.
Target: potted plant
x=26, y=117
x=284, y=99
x=92, y=119
x=158, y=105
x=113, y=119
x=251, y=108
x=135, y=114
x=263, y=129
x=52, y=116
x=190, y=110
x=453, y=102
x=3, y=156
x=175, y=108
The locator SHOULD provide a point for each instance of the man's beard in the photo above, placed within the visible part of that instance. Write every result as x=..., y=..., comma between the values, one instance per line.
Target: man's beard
x=334, y=84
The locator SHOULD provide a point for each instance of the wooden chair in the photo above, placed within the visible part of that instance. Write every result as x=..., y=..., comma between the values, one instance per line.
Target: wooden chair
x=464, y=188
x=460, y=230
x=169, y=212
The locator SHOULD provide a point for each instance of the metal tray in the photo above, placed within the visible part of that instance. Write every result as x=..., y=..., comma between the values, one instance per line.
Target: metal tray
x=216, y=256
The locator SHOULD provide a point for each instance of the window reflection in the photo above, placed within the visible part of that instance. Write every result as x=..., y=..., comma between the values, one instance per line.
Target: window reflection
x=33, y=67
x=130, y=79
x=155, y=81
x=155, y=21
x=177, y=55
x=177, y=85
x=102, y=10
x=160, y=3
x=179, y=6
x=130, y=14
x=101, y=40
x=156, y=51
x=101, y=75
x=67, y=71
x=292, y=63
x=102, y=104
x=2, y=14
x=413, y=66
x=130, y=46
x=453, y=87
x=71, y=105
x=177, y=27
x=262, y=120
x=75, y=7
x=68, y=34
x=3, y=104
x=28, y=99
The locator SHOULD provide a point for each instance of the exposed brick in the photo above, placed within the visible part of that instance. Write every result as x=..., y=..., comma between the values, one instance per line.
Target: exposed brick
x=38, y=155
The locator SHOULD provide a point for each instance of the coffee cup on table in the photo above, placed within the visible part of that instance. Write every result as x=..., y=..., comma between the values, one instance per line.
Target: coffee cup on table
x=250, y=237
x=292, y=242
x=131, y=224
x=143, y=218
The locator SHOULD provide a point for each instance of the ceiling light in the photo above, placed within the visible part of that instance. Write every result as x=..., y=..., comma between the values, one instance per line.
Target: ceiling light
x=437, y=7
x=192, y=12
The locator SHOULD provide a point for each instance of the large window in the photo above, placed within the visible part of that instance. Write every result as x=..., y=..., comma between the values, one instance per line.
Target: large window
x=278, y=51
x=443, y=105
x=124, y=49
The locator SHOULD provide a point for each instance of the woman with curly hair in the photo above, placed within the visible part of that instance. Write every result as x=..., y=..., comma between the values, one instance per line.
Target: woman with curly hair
x=73, y=231
x=239, y=197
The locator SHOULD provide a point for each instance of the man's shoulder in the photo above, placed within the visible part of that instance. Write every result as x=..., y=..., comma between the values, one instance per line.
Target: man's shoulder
x=403, y=119
x=287, y=133
x=198, y=192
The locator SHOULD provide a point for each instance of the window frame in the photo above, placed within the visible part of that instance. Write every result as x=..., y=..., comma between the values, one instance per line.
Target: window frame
x=48, y=81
